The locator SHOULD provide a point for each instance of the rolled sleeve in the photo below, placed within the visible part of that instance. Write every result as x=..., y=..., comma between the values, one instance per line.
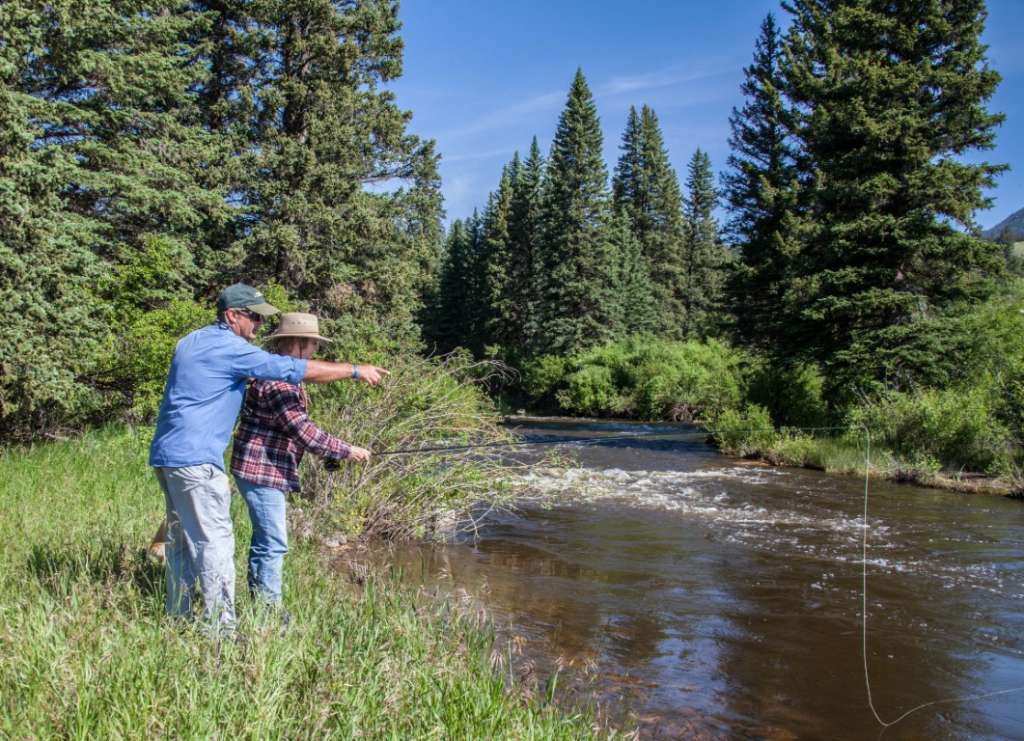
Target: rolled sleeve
x=253, y=362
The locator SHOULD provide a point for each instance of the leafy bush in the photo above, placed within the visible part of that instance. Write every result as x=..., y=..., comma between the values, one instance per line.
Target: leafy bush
x=955, y=427
x=746, y=432
x=423, y=403
x=137, y=365
x=792, y=394
x=643, y=377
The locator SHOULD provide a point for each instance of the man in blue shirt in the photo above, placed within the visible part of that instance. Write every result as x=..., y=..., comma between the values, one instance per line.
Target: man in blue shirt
x=202, y=398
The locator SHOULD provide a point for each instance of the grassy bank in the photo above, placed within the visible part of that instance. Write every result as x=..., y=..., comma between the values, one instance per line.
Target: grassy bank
x=86, y=652
x=846, y=453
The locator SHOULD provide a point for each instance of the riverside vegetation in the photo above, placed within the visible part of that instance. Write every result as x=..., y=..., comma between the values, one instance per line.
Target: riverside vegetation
x=153, y=151
x=86, y=650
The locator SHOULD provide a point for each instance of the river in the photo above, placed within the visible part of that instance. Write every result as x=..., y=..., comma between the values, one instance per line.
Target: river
x=692, y=595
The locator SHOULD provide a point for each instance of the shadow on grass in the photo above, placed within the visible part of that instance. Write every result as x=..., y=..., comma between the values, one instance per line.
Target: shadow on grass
x=109, y=563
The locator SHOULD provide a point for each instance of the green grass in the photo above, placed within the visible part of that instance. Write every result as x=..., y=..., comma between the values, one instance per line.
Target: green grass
x=86, y=651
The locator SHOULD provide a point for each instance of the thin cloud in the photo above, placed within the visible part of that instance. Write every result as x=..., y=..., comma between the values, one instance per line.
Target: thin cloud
x=669, y=77
x=552, y=101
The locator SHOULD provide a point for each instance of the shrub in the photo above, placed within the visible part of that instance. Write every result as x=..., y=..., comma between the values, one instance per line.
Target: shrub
x=643, y=377
x=746, y=432
x=137, y=365
x=792, y=394
x=423, y=403
x=955, y=427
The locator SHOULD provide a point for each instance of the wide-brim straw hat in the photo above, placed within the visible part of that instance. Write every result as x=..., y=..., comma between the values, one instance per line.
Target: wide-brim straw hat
x=297, y=324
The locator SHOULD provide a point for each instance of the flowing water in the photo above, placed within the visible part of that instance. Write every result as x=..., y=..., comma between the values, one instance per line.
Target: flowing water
x=692, y=595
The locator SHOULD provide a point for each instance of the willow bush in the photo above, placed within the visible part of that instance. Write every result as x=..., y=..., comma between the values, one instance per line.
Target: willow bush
x=424, y=403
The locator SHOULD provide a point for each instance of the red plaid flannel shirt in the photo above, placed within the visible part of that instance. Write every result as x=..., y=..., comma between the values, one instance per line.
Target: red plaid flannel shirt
x=274, y=433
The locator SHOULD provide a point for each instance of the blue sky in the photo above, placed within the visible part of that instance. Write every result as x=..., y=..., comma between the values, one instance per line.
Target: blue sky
x=482, y=78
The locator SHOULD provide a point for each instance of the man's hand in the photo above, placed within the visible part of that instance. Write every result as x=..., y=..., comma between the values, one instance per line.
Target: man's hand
x=322, y=371
x=371, y=374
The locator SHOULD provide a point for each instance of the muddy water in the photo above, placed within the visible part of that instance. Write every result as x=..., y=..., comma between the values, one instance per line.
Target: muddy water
x=693, y=595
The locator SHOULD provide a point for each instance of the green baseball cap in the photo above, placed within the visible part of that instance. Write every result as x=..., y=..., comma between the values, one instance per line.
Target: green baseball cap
x=241, y=296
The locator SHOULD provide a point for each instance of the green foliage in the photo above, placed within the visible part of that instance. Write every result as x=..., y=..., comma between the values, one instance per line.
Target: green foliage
x=955, y=428
x=88, y=652
x=644, y=378
x=579, y=304
x=761, y=188
x=141, y=354
x=880, y=251
x=646, y=188
x=792, y=394
x=704, y=260
x=423, y=403
x=745, y=432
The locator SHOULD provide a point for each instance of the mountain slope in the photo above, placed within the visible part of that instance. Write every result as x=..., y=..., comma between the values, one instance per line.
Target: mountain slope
x=1012, y=224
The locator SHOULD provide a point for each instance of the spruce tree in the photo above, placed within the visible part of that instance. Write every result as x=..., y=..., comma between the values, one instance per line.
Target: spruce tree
x=579, y=300
x=637, y=308
x=646, y=188
x=525, y=228
x=501, y=323
x=761, y=188
x=704, y=258
x=100, y=150
x=328, y=150
x=892, y=97
x=448, y=329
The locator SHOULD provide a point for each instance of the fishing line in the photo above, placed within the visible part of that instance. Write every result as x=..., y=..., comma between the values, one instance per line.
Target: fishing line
x=864, y=616
x=864, y=539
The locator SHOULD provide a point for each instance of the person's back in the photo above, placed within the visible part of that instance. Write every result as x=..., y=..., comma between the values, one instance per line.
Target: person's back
x=204, y=392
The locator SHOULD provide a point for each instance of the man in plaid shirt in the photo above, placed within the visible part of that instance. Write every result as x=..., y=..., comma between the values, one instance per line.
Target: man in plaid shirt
x=274, y=433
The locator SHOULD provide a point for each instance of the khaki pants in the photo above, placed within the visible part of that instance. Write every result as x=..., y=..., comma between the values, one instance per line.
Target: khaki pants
x=200, y=545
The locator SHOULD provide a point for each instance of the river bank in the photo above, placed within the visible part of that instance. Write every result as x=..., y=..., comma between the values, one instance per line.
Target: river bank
x=86, y=651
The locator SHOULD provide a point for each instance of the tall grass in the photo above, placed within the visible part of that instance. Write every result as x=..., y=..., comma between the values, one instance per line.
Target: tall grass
x=86, y=651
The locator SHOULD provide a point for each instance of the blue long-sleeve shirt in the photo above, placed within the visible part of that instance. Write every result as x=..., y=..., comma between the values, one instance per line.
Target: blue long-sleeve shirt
x=204, y=393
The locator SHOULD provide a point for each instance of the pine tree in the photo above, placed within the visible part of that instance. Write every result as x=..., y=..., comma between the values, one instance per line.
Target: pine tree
x=327, y=150
x=637, y=308
x=448, y=329
x=578, y=301
x=526, y=236
x=113, y=89
x=704, y=259
x=892, y=96
x=647, y=189
x=762, y=190
x=100, y=150
x=501, y=325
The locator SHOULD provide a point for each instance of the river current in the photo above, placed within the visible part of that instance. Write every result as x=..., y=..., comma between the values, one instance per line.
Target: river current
x=691, y=595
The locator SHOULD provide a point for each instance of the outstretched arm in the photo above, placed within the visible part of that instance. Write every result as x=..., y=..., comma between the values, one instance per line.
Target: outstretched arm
x=323, y=371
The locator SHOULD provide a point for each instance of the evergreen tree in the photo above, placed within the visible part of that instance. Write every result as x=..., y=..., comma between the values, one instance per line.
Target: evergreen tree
x=579, y=301
x=647, y=189
x=704, y=259
x=892, y=96
x=114, y=90
x=501, y=324
x=638, y=310
x=762, y=190
x=100, y=150
x=476, y=310
x=526, y=234
x=448, y=329
x=328, y=146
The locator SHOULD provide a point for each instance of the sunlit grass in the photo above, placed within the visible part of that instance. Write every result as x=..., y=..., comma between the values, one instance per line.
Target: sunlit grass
x=86, y=651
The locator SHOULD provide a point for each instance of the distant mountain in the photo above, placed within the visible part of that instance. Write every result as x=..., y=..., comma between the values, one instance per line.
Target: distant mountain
x=1014, y=224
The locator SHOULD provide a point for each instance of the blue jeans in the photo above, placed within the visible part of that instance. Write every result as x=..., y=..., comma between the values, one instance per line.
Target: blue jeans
x=269, y=539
